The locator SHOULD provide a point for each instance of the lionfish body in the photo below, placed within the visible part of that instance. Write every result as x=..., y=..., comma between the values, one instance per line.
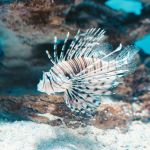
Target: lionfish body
x=88, y=70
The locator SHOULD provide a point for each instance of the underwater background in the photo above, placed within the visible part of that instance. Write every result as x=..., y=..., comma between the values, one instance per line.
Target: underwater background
x=30, y=120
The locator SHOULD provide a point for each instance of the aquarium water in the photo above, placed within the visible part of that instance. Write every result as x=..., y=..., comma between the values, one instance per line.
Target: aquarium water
x=144, y=44
x=128, y=6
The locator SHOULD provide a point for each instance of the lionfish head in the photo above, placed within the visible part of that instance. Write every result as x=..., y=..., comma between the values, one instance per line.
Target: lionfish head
x=50, y=84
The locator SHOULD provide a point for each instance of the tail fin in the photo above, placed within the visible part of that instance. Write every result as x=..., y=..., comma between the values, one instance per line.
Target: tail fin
x=126, y=59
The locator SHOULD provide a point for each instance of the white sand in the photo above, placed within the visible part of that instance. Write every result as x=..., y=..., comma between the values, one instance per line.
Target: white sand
x=23, y=135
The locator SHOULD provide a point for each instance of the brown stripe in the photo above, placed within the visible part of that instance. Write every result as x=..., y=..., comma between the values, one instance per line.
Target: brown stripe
x=80, y=61
x=93, y=61
x=50, y=82
x=77, y=65
x=69, y=69
x=72, y=66
x=84, y=62
x=53, y=77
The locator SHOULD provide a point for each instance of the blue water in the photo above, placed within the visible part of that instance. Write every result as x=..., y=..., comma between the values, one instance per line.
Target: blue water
x=1, y=47
x=144, y=44
x=128, y=6
x=7, y=1
x=18, y=91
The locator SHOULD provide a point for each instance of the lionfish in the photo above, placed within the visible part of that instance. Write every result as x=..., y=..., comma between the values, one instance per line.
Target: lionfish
x=88, y=70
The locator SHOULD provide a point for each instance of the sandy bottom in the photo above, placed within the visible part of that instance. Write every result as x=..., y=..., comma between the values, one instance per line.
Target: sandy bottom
x=24, y=135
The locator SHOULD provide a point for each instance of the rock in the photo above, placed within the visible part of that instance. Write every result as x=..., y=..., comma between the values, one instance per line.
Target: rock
x=110, y=116
x=147, y=62
x=134, y=86
x=146, y=9
x=145, y=97
x=102, y=15
x=87, y=11
x=52, y=110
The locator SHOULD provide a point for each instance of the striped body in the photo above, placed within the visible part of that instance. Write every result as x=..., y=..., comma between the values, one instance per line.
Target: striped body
x=74, y=66
x=59, y=74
